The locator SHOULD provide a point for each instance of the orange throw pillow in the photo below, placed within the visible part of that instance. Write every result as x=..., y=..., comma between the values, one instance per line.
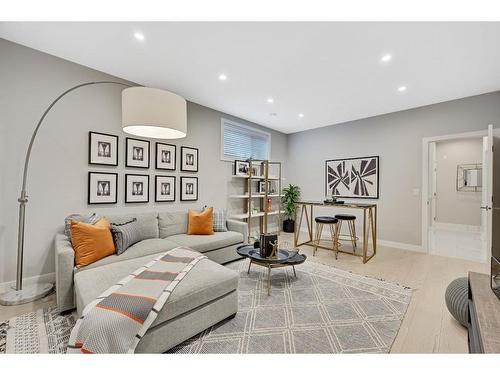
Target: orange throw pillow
x=201, y=223
x=91, y=242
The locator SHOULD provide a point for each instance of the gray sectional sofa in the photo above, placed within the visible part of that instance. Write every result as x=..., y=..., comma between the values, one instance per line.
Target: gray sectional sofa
x=207, y=295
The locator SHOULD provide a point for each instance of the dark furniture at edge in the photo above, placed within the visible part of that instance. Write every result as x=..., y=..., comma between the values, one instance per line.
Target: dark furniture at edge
x=484, y=316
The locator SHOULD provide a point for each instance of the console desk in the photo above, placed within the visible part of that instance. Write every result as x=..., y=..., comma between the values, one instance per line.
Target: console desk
x=306, y=208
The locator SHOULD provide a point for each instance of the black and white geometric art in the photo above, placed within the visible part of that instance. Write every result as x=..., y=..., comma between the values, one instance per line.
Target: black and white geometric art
x=352, y=178
x=136, y=188
x=103, y=149
x=136, y=153
x=102, y=188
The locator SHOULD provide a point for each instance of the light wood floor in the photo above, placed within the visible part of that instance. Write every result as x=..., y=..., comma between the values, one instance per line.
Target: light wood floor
x=427, y=326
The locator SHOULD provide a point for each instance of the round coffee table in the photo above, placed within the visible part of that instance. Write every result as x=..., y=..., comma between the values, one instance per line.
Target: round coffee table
x=284, y=258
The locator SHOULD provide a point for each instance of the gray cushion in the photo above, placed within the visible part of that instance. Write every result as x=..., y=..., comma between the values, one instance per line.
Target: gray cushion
x=89, y=219
x=219, y=218
x=204, y=283
x=171, y=223
x=147, y=222
x=125, y=235
x=203, y=243
x=140, y=249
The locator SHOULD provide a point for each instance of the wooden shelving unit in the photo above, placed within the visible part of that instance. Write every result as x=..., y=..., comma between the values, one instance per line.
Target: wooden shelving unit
x=264, y=214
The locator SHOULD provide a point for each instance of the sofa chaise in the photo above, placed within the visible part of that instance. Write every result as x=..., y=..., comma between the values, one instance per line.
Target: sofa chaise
x=206, y=296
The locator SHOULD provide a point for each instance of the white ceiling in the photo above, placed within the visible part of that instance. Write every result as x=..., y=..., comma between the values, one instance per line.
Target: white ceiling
x=330, y=72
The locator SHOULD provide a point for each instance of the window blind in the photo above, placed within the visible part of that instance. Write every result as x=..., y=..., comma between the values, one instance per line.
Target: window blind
x=241, y=142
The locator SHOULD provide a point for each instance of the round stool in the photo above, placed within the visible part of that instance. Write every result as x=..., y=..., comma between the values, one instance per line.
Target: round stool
x=332, y=223
x=350, y=220
x=456, y=297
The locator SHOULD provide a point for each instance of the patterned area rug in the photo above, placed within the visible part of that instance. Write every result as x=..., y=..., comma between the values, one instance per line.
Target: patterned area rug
x=323, y=310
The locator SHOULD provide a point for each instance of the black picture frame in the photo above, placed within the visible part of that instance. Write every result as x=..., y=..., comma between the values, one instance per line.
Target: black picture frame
x=197, y=152
x=148, y=153
x=183, y=199
x=129, y=175
x=156, y=189
x=350, y=159
x=235, y=168
x=89, y=179
x=174, y=163
x=117, y=143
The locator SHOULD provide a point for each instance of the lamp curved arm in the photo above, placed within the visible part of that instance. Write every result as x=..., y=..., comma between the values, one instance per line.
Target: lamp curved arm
x=28, y=153
x=23, y=199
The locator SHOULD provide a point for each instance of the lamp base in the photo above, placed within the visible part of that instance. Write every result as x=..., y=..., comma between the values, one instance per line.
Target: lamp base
x=29, y=293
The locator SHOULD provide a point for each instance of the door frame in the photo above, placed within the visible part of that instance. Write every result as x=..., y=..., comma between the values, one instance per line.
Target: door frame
x=425, y=201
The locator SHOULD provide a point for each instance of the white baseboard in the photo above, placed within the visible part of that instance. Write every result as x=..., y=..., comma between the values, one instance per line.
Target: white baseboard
x=392, y=244
x=46, y=278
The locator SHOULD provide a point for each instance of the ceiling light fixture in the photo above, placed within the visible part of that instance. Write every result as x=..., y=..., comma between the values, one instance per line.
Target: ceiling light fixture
x=270, y=100
x=301, y=115
x=222, y=77
x=402, y=88
x=139, y=36
x=386, y=58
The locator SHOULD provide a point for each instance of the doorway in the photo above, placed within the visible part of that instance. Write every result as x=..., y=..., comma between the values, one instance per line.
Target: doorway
x=457, y=195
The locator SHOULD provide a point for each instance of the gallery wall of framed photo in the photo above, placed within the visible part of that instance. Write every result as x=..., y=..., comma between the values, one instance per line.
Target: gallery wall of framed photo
x=105, y=183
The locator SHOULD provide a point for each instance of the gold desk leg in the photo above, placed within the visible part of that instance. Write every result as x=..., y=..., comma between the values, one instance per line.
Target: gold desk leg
x=365, y=237
x=298, y=224
x=312, y=223
x=309, y=227
x=375, y=231
x=268, y=280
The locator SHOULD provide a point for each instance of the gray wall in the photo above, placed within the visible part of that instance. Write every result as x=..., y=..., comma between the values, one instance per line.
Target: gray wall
x=452, y=206
x=397, y=139
x=57, y=184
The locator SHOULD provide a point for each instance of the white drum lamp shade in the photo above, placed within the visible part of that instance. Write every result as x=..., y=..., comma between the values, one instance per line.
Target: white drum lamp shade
x=153, y=113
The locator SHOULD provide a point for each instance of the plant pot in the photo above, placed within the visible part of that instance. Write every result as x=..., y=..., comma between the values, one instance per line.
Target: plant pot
x=289, y=226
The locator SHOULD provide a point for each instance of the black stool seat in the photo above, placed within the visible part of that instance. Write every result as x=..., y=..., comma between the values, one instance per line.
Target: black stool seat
x=345, y=217
x=326, y=220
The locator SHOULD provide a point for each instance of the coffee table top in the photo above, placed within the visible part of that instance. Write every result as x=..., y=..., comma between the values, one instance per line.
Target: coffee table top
x=284, y=256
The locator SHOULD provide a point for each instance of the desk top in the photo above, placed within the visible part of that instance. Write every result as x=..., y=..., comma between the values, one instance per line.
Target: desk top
x=346, y=204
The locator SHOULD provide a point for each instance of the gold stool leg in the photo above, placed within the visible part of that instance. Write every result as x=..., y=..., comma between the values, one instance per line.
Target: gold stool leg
x=319, y=229
x=334, y=239
x=352, y=234
x=355, y=236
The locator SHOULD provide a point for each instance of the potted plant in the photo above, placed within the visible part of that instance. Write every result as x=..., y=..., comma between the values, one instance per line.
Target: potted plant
x=291, y=195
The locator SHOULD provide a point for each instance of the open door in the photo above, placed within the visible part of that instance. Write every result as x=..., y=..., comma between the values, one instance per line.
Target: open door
x=491, y=193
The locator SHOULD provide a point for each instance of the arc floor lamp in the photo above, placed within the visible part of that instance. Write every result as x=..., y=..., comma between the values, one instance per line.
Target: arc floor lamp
x=146, y=112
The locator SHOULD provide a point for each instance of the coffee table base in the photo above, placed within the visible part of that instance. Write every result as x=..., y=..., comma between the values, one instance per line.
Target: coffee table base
x=269, y=267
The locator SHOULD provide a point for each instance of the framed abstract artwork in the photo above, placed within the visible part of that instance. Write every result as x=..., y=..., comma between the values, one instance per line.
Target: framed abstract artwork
x=136, y=188
x=102, y=188
x=189, y=188
x=136, y=153
x=189, y=159
x=352, y=177
x=165, y=156
x=103, y=149
x=164, y=188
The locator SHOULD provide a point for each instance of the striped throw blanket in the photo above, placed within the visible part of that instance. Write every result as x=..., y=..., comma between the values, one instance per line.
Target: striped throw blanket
x=116, y=321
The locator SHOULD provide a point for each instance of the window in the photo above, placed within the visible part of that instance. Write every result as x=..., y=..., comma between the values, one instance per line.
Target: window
x=242, y=142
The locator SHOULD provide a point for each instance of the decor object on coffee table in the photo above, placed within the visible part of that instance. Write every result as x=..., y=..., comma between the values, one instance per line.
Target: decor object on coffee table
x=291, y=195
x=283, y=258
x=457, y=299
x=103, y=149
x=102, y=188
x=166, y=116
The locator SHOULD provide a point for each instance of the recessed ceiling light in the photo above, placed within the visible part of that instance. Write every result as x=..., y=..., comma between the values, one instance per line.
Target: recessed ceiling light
x=139, y=36
x=274, y=114
x=222, y=77
x=386, y=58
x=270, y=100
x=301, y=115
x=402, y=88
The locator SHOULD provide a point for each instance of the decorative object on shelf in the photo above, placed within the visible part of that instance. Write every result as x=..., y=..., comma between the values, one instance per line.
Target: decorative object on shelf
x=470, y=177
x=262, y=187
x=189, y=159
x=241, y=168
x=165, y=156
x=266, y=244
x=136, y=153
x=269, y=205
x=102, y=188
x=291, y=195
x=164, y=188
x=166, y=116
x=136, y=188
x=103, y=149
x=189, y=188
x=352, y=177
